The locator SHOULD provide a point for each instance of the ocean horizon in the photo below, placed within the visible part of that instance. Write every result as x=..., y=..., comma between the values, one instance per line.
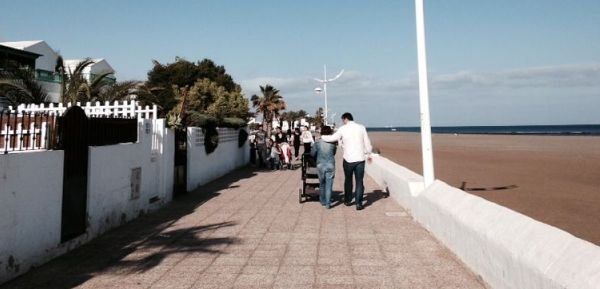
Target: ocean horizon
x=574, y=129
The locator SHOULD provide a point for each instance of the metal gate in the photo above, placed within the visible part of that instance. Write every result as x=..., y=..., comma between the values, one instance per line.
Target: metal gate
x=180, y=175
x=74, y=138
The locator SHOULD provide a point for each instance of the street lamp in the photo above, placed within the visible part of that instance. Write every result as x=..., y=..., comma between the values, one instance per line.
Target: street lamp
x=324, y=81
x=428, y=173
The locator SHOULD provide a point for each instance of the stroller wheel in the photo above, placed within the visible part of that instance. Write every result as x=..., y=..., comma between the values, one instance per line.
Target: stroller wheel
x=300, y=195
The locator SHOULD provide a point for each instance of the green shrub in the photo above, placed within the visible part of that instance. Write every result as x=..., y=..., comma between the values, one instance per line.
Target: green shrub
x=233, y=122
x=200, y=120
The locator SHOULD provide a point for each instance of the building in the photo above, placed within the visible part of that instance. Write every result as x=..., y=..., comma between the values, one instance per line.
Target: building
x=45, y=65
x=16, y=58
x=99, y=67
x=11, y=58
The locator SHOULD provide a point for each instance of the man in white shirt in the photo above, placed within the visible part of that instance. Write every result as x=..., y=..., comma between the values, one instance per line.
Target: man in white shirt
x=357, y=149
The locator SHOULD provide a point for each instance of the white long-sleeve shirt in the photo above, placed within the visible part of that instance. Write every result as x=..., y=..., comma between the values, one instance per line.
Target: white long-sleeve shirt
x=355, y=141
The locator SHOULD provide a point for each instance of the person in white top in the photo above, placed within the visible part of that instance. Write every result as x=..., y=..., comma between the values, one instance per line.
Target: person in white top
x=307, y=139
x=357, y=149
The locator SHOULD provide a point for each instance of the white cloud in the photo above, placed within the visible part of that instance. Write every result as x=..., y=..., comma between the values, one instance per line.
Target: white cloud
x=549, y=76
x=567, y=94
x=355, y=81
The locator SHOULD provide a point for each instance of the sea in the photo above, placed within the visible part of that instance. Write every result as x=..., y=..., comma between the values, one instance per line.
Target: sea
x=578, y=129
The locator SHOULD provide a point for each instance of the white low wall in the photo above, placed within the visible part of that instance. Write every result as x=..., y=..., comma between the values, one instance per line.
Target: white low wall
x=111, y=197
x=31, y=188
x=30, y=209
x=507, y=249
x=228, y=156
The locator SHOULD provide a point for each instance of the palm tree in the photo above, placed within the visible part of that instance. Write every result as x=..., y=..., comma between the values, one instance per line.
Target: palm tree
x=115, y=91
x=269, y=104
x=19, y=86
x=74, y=85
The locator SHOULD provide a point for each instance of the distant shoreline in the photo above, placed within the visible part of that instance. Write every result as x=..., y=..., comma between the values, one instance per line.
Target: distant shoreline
x=546, y=130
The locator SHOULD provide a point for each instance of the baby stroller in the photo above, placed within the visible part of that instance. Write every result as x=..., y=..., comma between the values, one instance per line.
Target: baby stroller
x=286, y=155
x=309, y=187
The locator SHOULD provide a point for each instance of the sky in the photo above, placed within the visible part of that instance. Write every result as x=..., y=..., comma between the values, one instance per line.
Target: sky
x=510, y=62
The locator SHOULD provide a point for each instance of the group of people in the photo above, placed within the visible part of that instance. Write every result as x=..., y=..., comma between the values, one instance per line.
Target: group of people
x=275, y=151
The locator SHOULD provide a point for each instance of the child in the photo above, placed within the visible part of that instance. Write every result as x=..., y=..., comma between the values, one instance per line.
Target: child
x=275, y=152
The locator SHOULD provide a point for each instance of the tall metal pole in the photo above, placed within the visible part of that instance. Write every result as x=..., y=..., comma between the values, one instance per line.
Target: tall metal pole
x=324, y=81
x=426, y=146
x=325, y=90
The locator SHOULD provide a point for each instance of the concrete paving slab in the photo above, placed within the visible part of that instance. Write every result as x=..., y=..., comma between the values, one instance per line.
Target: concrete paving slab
x=247, y=230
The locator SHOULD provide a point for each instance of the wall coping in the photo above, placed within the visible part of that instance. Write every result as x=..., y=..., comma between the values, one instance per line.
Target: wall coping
x=506, y=248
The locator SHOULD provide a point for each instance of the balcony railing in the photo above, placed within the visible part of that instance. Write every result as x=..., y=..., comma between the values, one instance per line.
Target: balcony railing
x=47, y=76
x=110, y=79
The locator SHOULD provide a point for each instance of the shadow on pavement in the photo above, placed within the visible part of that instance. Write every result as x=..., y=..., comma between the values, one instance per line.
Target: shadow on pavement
x=374, y=196
x=139, y=245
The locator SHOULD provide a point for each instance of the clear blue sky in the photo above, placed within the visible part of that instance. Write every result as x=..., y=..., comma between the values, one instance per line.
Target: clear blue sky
x=491, y=62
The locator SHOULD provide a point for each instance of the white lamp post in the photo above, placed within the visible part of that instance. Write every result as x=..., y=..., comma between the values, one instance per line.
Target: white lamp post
x=428, y=172
x=324, y=81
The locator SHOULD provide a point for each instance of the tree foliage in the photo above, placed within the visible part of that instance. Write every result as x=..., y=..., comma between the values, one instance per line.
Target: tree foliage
x=19, y=86
x=211, y=95
x=270, y=104
x=292, y=116
x=75, y=86
x=318, y=119
x=206, y=102
x=185, y=73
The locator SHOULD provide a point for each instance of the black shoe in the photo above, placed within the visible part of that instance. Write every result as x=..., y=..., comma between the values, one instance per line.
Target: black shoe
x=359, y=207
x=348, y=204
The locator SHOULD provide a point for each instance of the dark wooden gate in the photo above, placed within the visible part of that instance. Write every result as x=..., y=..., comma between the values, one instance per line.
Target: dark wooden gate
x=180, y=182
x=74, y=141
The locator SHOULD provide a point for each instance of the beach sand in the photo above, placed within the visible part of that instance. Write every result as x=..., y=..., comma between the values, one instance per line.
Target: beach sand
x=553, y=179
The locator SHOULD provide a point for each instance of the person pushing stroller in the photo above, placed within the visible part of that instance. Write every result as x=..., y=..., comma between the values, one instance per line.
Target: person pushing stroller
x=324, y=153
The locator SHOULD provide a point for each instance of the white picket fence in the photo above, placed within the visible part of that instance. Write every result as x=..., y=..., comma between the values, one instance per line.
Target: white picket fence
x=116, y=109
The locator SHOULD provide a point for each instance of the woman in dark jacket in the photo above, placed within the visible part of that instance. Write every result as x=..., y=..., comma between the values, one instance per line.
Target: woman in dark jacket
x=296, y=141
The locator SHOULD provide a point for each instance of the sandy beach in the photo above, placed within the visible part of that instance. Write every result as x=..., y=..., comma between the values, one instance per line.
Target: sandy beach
x=554, y=179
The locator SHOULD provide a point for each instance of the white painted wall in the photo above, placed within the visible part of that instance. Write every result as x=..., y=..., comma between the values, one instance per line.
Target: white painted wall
x=507, y=249
x=31, y=190
x=203, y=168
x=402, y=183
x=110, y=201
x=30, y=209
x=48, y=59
x=31, y=195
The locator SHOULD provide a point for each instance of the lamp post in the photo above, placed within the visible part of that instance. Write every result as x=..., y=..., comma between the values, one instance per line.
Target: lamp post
x=428, y=172
x=324, y=81
x=332, y=117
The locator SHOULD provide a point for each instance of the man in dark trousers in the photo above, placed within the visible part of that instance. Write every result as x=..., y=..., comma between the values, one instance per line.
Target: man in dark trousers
x=357, y=149
x=261, y=146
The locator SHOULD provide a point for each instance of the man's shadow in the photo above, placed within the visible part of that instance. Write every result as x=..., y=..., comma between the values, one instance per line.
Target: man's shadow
x=337, y=198
x=375, y=196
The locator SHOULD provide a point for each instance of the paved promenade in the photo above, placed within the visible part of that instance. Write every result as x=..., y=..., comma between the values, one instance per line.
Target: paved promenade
x=247, y=230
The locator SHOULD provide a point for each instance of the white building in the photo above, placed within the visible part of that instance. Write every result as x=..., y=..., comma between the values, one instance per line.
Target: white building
x=100, y=66
x=44, y=65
